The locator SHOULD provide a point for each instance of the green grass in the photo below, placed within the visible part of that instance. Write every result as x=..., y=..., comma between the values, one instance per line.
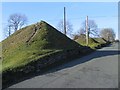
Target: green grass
x=100, y=40
x=93, y=42
x=26, y=45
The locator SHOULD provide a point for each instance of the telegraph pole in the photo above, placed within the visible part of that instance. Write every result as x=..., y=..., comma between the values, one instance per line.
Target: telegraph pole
x=87, y=37
x=64, y=21
x=9, y=30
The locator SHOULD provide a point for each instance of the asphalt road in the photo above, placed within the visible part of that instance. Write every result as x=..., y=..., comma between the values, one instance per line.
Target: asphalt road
x=97, y=70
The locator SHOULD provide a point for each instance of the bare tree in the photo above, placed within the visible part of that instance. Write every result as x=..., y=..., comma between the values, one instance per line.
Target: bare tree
x=92, y=28
x=16, y=21
x=81, y=31
x=7, y=31
x=69, y=27
x=108, y=34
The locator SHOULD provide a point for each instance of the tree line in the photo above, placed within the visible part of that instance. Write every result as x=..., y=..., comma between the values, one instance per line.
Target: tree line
x=93, y=30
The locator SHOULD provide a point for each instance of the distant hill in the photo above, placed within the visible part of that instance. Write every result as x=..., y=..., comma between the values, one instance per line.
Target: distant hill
x=82, y=40
x=101, y=40
x=93, y=42
x=33, y=42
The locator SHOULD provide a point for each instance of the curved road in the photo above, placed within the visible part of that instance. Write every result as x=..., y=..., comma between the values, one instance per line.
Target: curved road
x=97, y=70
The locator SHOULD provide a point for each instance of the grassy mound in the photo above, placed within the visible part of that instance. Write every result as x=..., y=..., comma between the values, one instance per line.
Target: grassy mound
x=101, y=40
x=33, y=42
x=93, y=42
x=82, y=40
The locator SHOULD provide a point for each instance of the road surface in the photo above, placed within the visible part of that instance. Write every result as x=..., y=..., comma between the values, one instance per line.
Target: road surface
x=97, y=70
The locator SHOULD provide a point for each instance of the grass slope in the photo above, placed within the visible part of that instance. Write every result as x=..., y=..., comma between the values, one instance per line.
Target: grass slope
x=100, y=40
x=82, y=40
x=93, y=42
x=33, y=42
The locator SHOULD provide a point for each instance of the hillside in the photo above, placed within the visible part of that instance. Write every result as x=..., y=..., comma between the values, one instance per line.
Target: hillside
x=100, y=40
x=35, y=48
x=33, y=42
x=82, y=40
x=93, y=42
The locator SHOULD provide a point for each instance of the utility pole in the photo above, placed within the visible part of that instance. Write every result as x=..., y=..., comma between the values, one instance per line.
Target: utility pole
x=108, y=37
x=64, y=21
x=87, y=37
x=9, y=30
